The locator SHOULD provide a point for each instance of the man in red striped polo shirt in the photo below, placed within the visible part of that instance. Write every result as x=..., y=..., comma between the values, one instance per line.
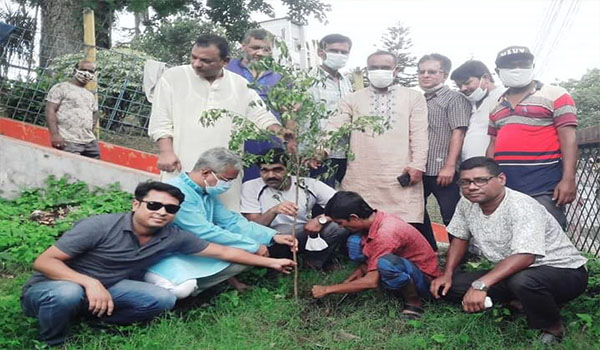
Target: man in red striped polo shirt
x=532, y=134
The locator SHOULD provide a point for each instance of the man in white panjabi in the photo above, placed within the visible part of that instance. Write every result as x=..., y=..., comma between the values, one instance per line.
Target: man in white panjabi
x=184, y=92
x=380, y=159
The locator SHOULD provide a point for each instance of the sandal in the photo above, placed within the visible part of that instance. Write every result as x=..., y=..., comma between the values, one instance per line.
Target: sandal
x=412, y=312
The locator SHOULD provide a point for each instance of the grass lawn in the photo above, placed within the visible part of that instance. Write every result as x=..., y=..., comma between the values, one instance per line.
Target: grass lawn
x=267, y=317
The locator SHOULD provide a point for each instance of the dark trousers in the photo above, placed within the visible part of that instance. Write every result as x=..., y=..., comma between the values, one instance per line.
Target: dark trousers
x=447, y=198
x=541, y=290
x=550, y=205
x=91, y=149
x=338, y=167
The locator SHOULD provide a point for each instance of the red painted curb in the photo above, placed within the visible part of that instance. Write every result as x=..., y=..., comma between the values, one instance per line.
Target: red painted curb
x=110, y=153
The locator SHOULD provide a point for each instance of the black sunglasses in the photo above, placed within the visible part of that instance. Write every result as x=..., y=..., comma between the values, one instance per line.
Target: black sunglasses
x=169, y=208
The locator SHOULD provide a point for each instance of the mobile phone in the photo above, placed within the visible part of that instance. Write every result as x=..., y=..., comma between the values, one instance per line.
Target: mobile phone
x=404, y=179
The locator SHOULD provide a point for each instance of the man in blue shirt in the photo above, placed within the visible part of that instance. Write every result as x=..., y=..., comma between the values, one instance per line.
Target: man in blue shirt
x=256, y=45
x=205, y=216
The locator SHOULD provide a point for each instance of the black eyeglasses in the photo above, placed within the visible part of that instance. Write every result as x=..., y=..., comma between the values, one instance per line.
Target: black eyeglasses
x=478, y=181
x=169, y=208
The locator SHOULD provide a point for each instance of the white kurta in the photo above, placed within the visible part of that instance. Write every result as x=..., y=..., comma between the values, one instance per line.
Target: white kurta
x=180, y=98
x=379, y=159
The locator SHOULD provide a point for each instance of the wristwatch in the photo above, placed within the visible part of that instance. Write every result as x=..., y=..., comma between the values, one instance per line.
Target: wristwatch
x=323, y=220
x=479, y=285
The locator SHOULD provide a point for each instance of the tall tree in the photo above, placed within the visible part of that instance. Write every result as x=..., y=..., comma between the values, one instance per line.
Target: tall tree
x=397, y=40
x=586, y=93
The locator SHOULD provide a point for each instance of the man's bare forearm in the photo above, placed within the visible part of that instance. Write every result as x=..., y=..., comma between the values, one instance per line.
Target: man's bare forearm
x=455, y=147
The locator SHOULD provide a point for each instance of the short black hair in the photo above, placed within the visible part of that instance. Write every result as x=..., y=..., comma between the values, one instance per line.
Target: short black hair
x=143, y=188
x=445, y=62
x=272, y=156
x=205, y=40
x=471, y=68
x=258, y=34
x=383, y=52
x=345, y=203
x=481, y=162
x=333, y=39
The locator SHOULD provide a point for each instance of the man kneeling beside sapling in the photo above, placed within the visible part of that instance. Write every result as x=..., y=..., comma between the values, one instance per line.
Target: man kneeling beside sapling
x=391, y=252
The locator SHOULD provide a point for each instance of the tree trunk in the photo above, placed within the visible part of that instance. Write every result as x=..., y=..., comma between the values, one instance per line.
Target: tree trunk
x=62, y=29
x=104, y=18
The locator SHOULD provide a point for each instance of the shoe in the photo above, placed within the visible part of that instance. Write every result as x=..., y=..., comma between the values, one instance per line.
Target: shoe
x=549, y=338
x=411, y=312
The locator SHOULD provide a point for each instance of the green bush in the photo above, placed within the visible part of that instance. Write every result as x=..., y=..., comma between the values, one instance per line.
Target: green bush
x=22, y=239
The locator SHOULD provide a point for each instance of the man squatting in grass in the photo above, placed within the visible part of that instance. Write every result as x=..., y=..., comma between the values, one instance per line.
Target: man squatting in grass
x=94, y=269
x=537, y=267
x=391, y=252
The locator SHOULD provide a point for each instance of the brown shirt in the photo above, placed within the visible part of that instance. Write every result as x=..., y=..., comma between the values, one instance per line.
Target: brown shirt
x=76, y=107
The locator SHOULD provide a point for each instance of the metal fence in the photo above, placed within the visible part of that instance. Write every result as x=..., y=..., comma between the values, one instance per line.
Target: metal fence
x=24, y=83
x=584, y=212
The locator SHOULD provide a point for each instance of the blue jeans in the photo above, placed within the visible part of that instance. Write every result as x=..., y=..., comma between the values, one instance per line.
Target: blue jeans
x=396, y=272
x=57, y=303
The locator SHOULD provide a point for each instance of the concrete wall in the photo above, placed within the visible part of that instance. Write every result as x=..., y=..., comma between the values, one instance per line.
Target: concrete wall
x=25, y=165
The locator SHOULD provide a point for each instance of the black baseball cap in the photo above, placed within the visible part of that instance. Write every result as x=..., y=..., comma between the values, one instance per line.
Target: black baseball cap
x=513, y=53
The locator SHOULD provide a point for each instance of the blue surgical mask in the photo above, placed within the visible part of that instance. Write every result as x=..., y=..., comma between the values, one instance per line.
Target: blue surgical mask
x=220, y=187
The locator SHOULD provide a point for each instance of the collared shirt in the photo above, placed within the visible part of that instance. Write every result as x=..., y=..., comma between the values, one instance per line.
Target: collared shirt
x=520, y=225
x=329, y=91
x=204, y=216
x=447, y=110
x=105, y=247
x=527, y=145
x=477, y=138
x=390, y=234
x=258, y=197
x=76, y=107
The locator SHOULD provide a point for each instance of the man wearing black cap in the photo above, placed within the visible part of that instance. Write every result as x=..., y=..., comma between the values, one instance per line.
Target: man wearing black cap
x=532, y=134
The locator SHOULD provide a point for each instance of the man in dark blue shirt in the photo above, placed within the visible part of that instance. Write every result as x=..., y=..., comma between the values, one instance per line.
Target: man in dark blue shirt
x=256, y=45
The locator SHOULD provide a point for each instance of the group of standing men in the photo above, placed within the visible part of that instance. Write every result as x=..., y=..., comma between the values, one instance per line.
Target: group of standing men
x=528, y=130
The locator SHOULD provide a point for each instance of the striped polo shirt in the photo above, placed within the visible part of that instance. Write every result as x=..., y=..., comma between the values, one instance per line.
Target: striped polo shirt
x=527, y=144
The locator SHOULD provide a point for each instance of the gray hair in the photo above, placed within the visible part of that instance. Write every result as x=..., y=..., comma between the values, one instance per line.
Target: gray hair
x=217, y=159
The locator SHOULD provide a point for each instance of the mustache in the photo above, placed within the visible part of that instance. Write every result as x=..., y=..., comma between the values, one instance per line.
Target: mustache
x=273, y=179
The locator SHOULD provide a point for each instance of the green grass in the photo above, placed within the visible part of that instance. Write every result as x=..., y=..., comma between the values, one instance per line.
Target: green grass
x=267, y=317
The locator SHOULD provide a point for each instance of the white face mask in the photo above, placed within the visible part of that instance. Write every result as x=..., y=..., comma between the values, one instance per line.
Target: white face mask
x=478, y=94
x=381, y=78
x=517, y=77
x=316, y=244
x=335, y=61
x=435, y=88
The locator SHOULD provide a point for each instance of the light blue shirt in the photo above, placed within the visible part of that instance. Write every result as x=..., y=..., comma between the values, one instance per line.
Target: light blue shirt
x=207, y=218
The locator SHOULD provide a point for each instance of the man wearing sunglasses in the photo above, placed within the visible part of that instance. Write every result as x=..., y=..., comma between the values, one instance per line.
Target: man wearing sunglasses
x=537, y=268
x=204, y=215
x=72, y=113
x=94, y=269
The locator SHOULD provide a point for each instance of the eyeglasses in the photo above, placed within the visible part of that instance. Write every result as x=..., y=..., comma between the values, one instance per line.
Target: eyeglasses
x=429, y=71
x=154, y=206
x=478, y=181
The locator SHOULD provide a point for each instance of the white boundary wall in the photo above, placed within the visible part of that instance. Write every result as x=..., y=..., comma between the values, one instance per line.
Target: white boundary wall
x=26, y=165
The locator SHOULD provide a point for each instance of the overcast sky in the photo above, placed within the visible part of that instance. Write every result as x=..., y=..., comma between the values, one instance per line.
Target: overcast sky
x=464, y=29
